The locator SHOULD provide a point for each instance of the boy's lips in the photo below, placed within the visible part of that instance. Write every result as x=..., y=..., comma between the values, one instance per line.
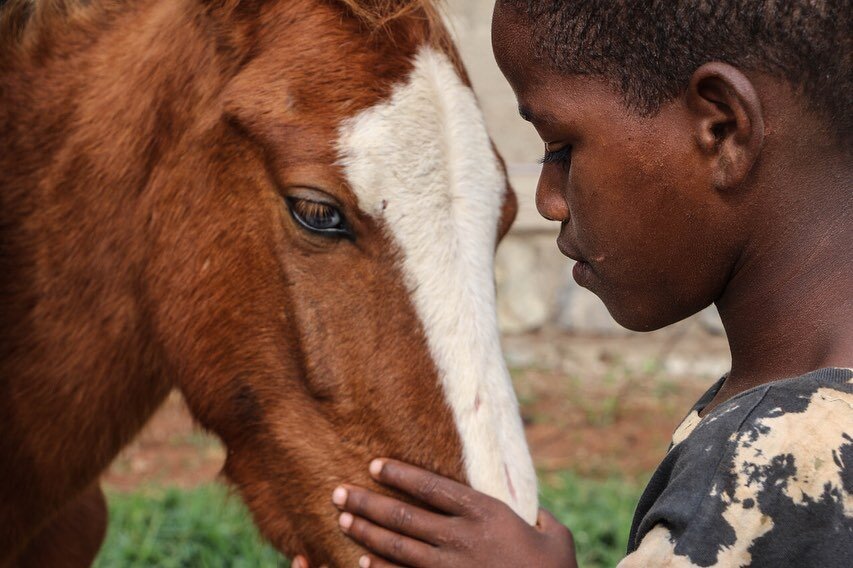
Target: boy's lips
x=568, y=249
x=582, y=271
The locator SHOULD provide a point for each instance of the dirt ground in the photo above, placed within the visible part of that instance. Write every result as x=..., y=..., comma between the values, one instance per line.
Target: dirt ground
x=599, y=406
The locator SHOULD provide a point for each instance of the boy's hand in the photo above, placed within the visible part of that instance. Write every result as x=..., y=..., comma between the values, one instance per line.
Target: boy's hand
x=468, y=529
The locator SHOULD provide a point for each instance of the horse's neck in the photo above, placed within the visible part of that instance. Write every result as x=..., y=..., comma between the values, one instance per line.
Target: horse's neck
x=90, y=112
x=93, y=105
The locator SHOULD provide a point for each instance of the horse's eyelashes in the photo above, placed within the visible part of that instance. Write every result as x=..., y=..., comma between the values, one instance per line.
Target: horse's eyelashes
x=319, y=213
x=318, y=217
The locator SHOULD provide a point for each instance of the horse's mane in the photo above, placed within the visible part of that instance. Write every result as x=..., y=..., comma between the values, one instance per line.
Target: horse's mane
x=378, y=13
x=374, y=14
x=379, y=16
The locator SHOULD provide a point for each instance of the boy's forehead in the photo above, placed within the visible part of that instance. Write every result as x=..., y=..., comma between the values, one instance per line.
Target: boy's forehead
x=546, y=97
x=511, y=42
x=516, y=58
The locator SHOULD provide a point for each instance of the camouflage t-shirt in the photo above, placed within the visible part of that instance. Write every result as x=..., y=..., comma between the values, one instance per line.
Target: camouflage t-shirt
x=764, y=479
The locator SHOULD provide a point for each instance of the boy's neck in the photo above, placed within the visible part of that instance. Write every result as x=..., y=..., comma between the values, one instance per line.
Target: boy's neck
x=788, y=308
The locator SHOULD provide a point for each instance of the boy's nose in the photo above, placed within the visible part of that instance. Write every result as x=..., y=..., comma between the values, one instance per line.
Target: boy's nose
x=549, y=199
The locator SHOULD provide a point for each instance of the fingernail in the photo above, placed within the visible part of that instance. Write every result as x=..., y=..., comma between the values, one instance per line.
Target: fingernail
x=345, y=520
x=339, y=496
x=376, y=468
x=364, y=562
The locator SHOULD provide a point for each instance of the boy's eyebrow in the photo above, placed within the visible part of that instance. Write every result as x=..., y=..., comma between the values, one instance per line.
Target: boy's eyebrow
x=531, y=116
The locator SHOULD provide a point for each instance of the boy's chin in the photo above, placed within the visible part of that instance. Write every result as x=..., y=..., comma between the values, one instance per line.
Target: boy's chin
x=647, y=317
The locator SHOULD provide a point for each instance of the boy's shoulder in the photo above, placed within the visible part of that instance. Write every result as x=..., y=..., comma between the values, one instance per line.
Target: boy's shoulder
x=764, y=475
x=764, y=411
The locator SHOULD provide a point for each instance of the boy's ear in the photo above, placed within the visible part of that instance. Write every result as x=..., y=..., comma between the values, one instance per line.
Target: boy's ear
x=729, y=121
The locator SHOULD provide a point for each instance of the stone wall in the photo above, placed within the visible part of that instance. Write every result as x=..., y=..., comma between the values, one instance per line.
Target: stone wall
x=535, y=286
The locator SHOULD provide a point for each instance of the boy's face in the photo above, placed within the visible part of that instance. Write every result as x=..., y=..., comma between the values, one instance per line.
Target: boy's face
x=634, y=196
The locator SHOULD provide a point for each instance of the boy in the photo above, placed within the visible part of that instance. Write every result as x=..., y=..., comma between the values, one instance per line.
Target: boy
x=697, y=151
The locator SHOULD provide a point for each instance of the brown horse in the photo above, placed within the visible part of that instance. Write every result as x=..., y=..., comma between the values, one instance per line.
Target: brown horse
x=288, y=210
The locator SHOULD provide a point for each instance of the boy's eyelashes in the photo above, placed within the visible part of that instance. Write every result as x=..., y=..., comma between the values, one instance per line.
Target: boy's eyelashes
x=562, y=156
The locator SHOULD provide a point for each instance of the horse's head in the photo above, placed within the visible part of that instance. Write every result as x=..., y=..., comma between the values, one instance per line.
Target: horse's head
x=337, y=253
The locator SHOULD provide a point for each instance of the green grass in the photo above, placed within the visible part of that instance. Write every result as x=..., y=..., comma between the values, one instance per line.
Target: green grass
x=599, y=514
x=205, y=527
x=171, y=528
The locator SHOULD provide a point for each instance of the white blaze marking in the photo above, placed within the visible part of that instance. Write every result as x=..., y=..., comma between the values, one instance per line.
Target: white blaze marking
x=423, y=163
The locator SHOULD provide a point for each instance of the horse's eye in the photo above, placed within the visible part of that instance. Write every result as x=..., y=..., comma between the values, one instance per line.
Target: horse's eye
x=318, y=217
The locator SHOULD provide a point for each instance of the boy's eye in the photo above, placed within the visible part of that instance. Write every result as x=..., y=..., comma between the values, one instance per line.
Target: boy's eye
x=562, y=156
x=317, y=217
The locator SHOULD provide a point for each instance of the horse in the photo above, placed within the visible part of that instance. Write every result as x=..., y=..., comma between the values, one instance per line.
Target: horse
x=286, y=210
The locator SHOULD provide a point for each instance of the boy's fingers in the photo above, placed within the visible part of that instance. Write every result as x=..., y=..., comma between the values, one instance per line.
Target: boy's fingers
x=439, y=492
x=550, y=526
x=397, y=548
x=302, y=562
x=371, y=561
x=392, y=514
x=546, y=522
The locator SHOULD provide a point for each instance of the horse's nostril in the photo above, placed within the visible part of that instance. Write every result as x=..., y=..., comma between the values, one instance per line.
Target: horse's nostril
x=477, y=403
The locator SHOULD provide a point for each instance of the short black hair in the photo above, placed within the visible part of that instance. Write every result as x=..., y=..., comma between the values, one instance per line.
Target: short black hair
x=648, y=49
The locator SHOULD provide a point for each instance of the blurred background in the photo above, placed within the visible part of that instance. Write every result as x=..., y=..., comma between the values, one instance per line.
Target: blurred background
x=599, y=402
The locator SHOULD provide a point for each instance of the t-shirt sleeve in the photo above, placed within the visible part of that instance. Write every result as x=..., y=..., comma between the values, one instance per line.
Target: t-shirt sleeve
x=765, y=480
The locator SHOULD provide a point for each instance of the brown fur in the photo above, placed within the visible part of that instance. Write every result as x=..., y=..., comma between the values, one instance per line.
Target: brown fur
x=145, y=246
x=80, y=527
